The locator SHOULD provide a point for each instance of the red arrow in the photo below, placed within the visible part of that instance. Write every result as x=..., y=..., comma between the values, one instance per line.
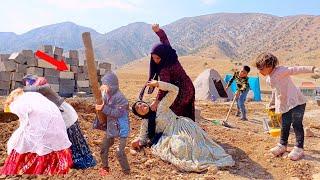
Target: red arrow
x=60, y=64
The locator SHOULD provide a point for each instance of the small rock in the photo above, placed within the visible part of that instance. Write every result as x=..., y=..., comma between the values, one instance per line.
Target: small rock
x=97, y=142
x=308, y=132
x=316, y=176
x=212, y=170
x=294, y=178
x=143, y=160
x=136, y=176
x=149, y=163
x=127, y=149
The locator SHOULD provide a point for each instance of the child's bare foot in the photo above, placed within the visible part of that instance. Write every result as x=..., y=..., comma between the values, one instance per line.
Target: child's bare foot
x=104, y=171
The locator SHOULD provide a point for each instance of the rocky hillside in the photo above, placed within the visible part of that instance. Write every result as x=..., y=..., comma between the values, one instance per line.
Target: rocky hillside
x=235, y=36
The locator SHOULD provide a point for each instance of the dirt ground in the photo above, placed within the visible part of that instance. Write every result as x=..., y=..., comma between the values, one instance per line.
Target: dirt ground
x=247, y=143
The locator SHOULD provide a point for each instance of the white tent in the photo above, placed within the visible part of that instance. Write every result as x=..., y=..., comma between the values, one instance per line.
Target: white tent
x=210, y=86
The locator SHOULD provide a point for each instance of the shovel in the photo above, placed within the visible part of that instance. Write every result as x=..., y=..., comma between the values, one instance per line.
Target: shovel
x=225, y=121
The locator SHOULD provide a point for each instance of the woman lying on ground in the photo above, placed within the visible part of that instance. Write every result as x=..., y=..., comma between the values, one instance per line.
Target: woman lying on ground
x=183, y=143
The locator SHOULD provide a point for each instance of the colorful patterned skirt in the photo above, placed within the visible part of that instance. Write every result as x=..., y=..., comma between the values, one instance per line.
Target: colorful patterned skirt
x=81, y=154
x=54, y=163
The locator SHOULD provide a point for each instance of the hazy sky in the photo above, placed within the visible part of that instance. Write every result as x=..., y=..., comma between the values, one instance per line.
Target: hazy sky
x=20, y=16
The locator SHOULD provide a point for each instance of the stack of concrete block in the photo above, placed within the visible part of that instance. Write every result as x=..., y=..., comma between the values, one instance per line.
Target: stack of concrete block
x=83, y=84
x=82, y=77
x=5, y=83
x=14, y=66
x=9, y=74
x=53, y=77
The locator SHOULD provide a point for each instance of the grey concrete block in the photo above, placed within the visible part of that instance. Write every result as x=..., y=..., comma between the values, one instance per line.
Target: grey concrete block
x=16, y=84
x=4, y=92
x=58, y=57
x=68, y=61
x=67, y=75
x=52, y=80
x=73, y=54
x=105, y=65
x=7, y=65
x=72, y=62
x=4, y=57
x=27, y=53
x=35, y=71
x=18, y=58
x=32, y=62
x=58, y=51
x=75, y=61
x=5, y=85
x=15, y=76
x=80, y=69
x=85, y=69
x=67, y=82
x=21, y=68
x=83, y=83
x=74, y=69
x=47, y=49
x=102, y=72
x=85, y=89
x=81, y=76
x=66, y=89
x=51, y=72
x=44, y=64
x=5, y=76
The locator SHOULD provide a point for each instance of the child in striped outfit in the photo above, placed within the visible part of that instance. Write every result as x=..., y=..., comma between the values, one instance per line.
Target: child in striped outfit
x=241, y=78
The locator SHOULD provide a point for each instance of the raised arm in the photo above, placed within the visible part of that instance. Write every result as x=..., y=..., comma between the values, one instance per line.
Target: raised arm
x=287, y=71
x=231, y=80
x=171, y=94
x=161, y=34
x=169, y=98
x=164, y=77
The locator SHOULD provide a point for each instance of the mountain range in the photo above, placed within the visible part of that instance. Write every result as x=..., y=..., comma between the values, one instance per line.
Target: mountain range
x=237, y=36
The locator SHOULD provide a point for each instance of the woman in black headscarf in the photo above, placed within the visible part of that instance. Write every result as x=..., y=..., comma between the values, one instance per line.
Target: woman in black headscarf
x=164, y=66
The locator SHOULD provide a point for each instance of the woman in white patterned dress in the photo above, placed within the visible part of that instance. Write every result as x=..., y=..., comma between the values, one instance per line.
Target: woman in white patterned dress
x=183, y=143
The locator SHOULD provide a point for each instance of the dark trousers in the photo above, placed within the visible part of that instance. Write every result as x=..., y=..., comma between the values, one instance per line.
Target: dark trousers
x=294, y=117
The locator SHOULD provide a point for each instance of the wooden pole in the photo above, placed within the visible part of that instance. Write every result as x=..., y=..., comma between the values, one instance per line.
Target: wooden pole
x=92, y=72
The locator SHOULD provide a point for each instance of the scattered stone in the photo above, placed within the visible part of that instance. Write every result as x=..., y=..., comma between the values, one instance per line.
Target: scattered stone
x=212, y=170
x=308, y=132
x=316, y=176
